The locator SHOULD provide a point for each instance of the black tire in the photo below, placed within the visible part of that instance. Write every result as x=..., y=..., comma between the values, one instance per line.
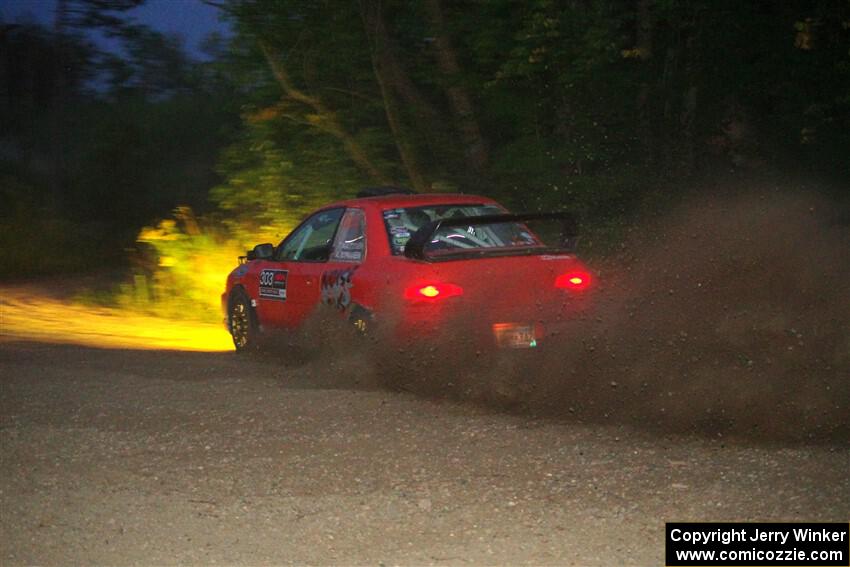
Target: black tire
x=242, y=322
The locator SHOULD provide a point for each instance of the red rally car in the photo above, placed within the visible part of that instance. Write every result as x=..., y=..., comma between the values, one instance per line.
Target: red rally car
x=416, y=267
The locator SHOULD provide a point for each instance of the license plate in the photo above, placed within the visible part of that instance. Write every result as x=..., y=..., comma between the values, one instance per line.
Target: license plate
x=513, y=335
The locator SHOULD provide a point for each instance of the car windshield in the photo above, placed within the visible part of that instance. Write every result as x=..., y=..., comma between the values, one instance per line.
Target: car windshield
x=403, y=222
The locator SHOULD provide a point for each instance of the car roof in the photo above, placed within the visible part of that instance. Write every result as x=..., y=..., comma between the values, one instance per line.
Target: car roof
x=394, y=201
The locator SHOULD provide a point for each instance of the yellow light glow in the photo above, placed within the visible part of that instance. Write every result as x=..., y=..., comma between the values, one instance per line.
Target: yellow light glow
x=26, y=315
x=575, y=280
x=429, y=291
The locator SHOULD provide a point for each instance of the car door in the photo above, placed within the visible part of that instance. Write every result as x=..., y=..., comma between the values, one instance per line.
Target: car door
x=289, y=286
x=340, y=275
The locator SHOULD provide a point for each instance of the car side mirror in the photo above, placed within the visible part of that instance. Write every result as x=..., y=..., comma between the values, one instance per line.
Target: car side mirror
x=261, y=252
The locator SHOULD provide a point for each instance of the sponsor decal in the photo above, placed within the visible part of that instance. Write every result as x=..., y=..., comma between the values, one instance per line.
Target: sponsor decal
x=336, y=288
x=273, y=284
x=352, y=255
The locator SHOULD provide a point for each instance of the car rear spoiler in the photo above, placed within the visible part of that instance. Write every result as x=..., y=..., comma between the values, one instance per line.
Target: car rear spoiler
x=415, y=247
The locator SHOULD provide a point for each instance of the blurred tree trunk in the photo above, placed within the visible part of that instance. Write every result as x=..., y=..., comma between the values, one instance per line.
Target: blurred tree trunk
x=459, y=99
x=57, y=108
x=394, y=72
x=388, y=73
x=645, y=24
x=324, y=118
x=690, y=96
x=688, y=117
x=666, y=142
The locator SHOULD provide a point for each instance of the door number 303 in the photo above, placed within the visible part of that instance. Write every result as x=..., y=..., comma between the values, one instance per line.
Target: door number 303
x=273, y=284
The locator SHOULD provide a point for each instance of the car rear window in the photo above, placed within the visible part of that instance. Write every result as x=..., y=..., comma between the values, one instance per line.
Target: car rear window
x=403, y=222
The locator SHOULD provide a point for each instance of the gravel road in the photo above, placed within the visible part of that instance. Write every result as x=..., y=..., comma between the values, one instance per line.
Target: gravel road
x=154, y=457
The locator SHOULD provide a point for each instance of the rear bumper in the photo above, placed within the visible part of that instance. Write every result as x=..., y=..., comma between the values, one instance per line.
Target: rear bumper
x=481, y=331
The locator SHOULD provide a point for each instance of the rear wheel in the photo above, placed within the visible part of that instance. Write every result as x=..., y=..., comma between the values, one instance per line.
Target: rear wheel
x=243, y=322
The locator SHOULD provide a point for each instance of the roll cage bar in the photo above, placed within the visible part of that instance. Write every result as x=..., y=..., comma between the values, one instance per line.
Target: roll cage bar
x=415, y=247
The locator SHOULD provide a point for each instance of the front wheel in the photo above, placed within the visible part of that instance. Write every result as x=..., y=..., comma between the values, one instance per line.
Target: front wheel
x=243, y=322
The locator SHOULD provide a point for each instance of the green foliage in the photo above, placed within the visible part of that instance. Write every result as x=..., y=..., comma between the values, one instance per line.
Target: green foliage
x=187, y=261
x=589, y=106
x=267, y=188
x=32, y=242
x=577, y=114
x=97, y=164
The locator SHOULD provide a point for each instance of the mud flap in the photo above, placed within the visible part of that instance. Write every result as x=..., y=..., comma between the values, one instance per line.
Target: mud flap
x=361, y=318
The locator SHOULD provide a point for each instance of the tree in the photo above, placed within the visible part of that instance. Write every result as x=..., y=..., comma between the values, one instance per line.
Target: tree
x=458, y=95
x=393, y=82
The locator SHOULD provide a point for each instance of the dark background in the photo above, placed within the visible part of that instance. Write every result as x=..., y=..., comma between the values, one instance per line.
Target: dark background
x=610, y=109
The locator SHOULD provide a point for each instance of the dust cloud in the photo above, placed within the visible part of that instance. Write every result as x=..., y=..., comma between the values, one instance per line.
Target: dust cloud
x=734, y=318
x=729, y=317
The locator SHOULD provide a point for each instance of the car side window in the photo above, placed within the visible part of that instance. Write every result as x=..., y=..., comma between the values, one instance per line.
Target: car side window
x=311, y=242
x=350, y=242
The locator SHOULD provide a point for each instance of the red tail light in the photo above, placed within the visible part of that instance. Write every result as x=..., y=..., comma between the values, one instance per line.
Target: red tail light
x=432, y=292
x=577, y=280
